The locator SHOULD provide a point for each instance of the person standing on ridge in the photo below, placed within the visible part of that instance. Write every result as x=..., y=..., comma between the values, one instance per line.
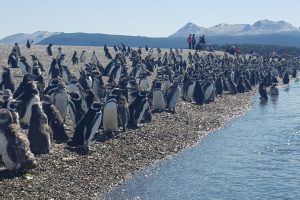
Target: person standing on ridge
x=193, y=41
x=189, y=40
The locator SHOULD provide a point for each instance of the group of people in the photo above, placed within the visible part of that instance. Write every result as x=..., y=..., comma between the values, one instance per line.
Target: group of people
x=191, y=40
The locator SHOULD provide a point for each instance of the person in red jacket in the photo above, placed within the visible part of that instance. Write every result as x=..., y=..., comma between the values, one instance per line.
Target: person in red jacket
x=190, y=40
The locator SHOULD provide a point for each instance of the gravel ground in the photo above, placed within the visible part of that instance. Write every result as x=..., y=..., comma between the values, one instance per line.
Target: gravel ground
x=69, y=174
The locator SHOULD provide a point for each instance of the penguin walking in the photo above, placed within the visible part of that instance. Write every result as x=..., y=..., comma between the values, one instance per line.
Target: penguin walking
x=198, y=95
x=7, y=82
x=87, y=127
x=55, y=120
x=14, y=146
x=286, y=79
x=39, y=133
x=262, y=91
x=158, y=98
x=75, y=108
x=60, y=100
x=173, y=96
x=29, y=97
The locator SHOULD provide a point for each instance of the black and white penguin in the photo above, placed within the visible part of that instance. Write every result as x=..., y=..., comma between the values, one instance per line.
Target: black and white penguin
x=72, y=87
x=231, y=86
x=262, y=91
x=82, y=57
x=49, y=50
x=75, y=107
x=13, y=106
x=240, y=85
x=219, y=86
x=14, y=146
x=110, y=114
x=87, y=126
x=24, y=66
x=13, y=60
x=198, y=93
x=158, y=98
x=7, y=82
x=29, y=97
x=55, y=120
x=173, y=96
x=54, y=70
x=115, y=74
x=209, y=91
x=60, y=99
x=39, y=133
x=188, y=90
x=286, y=79
x=143, y=83
x=247, y=85
x=98, y=86
x=123, y=112
x=65, y=74
x=139, y=109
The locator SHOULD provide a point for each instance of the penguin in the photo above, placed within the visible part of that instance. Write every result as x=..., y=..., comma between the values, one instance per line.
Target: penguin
x=72, y=87
x=75, y=107
x=143, y=83
x=28, y=44
x=198, y=93
x=262, y=91
x=82, y=57
x=60, y=99
x=286, y=79
x=247, y=85
x=21, y=88
x=98, y=86
x=87, y=127
x=7, y=82
x=189, y=90
x=24, y=66
x=39, y=133
x=158, y=98
x=55, y=120
x=29, y=97
x=139, y=109
x=230, y=86
x=13, y=60
x=65, y=74
x=241, y=86
x=123, y=112
x=110, y=115
x=49, y=50
x=165, y=84
x=208, y=91
x=54, y=70
x=219, y=86
x=273, y=90
x=173, y=96
x=294, y=73
x=14, y=146
x=12, y=106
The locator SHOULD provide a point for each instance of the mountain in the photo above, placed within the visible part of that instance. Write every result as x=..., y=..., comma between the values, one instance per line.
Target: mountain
x=86, y=39
x=22, y=38
x=258, y=28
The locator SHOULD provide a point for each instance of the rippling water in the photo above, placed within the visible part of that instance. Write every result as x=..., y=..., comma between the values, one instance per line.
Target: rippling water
x=256, y=156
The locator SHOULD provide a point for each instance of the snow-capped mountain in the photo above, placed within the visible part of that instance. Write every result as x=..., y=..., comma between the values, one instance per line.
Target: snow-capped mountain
x=259, y=27
x=22, y=38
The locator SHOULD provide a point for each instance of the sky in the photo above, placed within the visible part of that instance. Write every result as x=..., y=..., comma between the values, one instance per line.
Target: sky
x=155, y=18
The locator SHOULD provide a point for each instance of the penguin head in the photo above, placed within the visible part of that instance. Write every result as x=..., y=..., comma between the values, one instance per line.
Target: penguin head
x=5, y=118
x=30, y=85
x=96, y=106
x=14, y=105
x=37, y=108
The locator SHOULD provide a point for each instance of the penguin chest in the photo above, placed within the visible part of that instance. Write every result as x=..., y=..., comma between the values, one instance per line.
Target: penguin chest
x=158, y=101
x=95, y=124
x=208, y=92
x=174, y=99
x=73, y=88
x=144, y=84
x=65, y=76
x=26, y=118
x=166, y=85
x=61, y=103
x=190, y=92
x=118, y=75
x=9, y=164
x=23, y=68
x=110, y=117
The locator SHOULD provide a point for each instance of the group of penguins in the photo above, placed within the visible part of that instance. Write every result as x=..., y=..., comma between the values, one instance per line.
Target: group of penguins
x=117, y=96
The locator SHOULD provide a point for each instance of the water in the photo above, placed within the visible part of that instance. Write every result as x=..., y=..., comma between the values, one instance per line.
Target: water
x=254, y=157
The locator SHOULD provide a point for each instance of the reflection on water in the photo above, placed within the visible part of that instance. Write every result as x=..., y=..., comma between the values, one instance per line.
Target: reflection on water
x=254, y=157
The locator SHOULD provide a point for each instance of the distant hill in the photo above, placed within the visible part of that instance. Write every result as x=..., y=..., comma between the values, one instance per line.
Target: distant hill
x=22, y=38
x=258, y=28
x=85, y=39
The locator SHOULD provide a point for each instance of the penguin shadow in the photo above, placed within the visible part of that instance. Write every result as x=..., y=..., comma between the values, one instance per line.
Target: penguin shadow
x=78, y=150
x=286, y=88
x=263, y=102
x=274, y=100
x=8, y=174
x=103, y=137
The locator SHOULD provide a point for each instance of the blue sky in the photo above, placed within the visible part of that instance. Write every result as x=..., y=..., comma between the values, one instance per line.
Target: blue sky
x=137, y=17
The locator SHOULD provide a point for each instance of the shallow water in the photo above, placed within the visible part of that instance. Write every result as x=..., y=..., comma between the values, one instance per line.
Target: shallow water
x=256, y=156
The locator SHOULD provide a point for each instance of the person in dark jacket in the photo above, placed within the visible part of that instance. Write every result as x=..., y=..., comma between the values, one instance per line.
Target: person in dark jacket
x=193, y=41
x=189, y=40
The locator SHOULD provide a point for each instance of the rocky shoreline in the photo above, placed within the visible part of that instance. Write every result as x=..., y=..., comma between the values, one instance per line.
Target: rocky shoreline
x=69, y=174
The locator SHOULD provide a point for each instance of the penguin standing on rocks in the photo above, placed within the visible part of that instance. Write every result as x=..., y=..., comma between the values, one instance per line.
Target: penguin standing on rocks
x=158, y=98
x=14, y=146
x=123, y=112
x=75, y=108
x=55, y=121
x=13, y=60
x=209, y=91
x=188, y=90
x=230, y=86
x=87, y=126
x=173, y=96
x=219, y=86
x=110, y=113
x=49, y=50
x=39, y=133
x=241, y=86
x=24, y=66
x=60, y=99
x=82, y=57
x=29, y=97
x=139, y=109
x=7, y=82
x=198, y=93
x=274, y=90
